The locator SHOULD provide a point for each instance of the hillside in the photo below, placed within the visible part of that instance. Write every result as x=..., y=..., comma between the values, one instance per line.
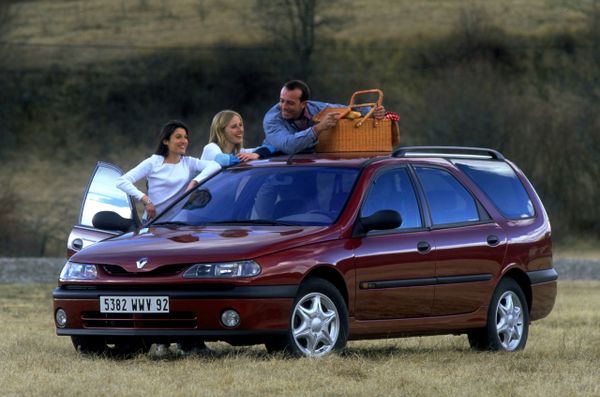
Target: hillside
x=44, y=31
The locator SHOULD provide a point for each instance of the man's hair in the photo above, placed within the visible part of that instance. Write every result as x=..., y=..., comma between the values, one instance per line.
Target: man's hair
x=299, y=84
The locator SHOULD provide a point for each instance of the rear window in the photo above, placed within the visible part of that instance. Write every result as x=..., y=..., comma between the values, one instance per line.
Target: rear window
x=501, y=185
x=449, y=202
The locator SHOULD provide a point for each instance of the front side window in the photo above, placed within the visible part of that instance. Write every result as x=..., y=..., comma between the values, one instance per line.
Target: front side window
x=273, y=195
x=449, y=202
x=501, y=185
x=393, y=190
x=102, y=195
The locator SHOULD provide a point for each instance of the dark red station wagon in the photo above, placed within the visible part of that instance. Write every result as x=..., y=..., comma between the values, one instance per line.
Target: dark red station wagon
x=303, y=253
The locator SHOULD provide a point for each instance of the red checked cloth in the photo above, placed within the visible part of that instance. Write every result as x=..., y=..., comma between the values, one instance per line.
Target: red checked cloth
x=392, y=116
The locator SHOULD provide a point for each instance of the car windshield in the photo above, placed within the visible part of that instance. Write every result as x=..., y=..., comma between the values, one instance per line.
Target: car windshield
x=267, y=196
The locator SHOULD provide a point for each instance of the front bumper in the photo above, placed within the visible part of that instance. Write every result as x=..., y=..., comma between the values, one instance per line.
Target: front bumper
x=263, y=310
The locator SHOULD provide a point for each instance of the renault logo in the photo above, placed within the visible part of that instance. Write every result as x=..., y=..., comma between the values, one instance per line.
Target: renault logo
x=140, y=263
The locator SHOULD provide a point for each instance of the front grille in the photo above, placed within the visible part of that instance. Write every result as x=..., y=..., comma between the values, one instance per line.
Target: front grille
x=167, y=270
x=174, y=320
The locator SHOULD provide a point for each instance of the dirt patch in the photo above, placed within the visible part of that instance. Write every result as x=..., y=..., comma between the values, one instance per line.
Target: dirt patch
x=30, y=270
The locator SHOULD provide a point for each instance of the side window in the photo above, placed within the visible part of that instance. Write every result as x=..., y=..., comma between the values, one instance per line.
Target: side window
x=393, y=190
x=501, y=185
x=102, y=195
x=449, y=202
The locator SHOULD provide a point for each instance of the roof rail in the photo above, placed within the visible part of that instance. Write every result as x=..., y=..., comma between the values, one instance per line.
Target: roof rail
x=447, y=151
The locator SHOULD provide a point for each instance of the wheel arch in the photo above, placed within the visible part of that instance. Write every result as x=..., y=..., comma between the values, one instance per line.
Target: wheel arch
x=332, y=275
x=523, y=281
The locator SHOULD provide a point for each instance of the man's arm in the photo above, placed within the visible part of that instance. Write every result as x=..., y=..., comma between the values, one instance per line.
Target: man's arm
x=281, y=135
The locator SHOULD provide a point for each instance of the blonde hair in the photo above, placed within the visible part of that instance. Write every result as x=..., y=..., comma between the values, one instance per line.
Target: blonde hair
x=217, y=129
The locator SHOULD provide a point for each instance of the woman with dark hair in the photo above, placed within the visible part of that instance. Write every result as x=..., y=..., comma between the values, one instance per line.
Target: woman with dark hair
x=168, y=171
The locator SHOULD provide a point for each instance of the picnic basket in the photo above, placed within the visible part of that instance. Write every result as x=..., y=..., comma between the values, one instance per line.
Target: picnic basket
x=364, y=134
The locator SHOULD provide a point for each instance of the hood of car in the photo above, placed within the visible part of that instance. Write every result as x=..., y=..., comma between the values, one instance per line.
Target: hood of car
x=159, y=246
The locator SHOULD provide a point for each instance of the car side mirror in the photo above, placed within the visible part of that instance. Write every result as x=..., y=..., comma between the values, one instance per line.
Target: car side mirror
x=380, y=220
x=109, y=220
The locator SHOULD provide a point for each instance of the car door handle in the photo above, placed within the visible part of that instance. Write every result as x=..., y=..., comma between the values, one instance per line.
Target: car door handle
x=77, y=244
x=492, y=240
x=423, y=247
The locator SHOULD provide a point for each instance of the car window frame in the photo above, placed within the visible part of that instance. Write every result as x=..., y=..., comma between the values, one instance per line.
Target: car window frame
x=134, y=215
x=492, y=202
x=377, y=174
x=484, y=216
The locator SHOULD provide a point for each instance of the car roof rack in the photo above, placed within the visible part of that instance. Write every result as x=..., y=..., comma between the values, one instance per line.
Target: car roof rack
x=448, y=151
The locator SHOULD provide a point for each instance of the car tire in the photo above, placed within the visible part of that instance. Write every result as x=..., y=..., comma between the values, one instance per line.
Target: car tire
x=122, y=347
x=318, y=322
x=507, y=320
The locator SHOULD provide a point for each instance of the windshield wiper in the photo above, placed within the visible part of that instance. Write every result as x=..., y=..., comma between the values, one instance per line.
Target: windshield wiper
x=251, y=222
x=172, y=223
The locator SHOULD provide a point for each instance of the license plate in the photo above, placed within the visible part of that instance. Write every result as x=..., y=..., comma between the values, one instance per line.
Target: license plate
x=134, y=304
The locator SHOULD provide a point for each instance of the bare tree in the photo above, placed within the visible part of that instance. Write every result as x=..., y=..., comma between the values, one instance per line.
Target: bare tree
x=295, y=25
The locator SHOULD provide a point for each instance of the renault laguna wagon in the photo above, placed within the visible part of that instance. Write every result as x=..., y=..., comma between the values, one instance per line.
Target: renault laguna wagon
x=306, y=252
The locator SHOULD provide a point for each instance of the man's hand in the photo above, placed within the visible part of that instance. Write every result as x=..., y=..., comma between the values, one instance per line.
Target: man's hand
x=327, y=122
x=379, y=113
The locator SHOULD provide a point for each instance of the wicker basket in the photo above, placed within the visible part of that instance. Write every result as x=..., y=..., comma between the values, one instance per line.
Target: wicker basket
x=360, y=135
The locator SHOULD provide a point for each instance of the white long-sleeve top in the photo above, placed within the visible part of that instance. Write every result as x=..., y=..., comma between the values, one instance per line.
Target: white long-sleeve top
x=165, y=181
x=211, y=151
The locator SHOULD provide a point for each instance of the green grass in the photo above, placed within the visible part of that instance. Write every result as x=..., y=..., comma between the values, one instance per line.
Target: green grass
x=561, y=358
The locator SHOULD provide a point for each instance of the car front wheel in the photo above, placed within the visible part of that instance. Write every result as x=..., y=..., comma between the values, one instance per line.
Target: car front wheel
x=318, y=323
x=507, y=322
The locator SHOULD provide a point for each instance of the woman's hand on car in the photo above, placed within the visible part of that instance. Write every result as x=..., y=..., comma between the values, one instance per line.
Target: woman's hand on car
x=150, y=211
x=248, y=156
x=191, y=185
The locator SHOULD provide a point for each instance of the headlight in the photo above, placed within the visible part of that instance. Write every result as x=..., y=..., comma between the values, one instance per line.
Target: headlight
x=78, y=271
x=226, y=270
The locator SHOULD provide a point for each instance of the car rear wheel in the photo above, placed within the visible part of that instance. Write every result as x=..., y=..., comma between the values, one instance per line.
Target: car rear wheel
x=318, y=323
x=507, y=321
x=121, y=347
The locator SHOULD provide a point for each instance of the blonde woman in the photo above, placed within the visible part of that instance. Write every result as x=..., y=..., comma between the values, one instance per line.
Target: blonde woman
x=226, y=141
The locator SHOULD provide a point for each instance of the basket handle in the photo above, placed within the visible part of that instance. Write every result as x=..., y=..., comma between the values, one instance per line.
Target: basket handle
x=372, y=104
x=372, y=91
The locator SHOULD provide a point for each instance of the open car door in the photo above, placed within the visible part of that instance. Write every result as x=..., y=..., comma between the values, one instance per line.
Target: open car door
x=102, y=198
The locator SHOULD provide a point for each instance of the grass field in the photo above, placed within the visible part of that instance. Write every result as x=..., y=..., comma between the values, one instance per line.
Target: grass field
x=205, y=22
x=561, y=359
x=121, y=29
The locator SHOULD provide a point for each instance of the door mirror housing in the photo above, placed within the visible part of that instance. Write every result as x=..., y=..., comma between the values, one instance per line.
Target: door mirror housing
x=109, y=220
x=380, y=220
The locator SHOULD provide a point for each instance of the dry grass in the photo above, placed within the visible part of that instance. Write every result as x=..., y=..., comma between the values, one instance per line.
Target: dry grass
x=561, y=358
x=580, y=248
x=205, y=22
